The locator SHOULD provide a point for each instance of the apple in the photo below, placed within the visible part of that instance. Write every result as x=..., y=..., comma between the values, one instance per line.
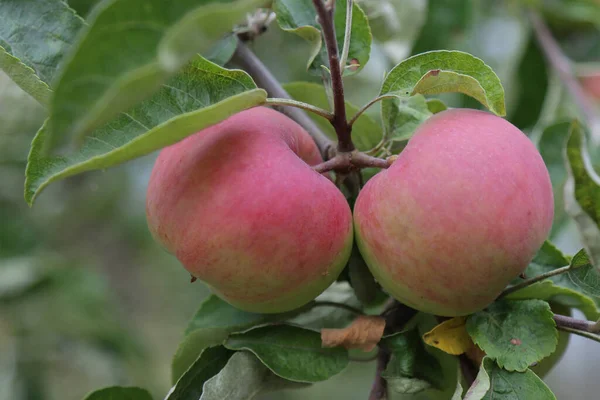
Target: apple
x=241, y=208
x=458, y=215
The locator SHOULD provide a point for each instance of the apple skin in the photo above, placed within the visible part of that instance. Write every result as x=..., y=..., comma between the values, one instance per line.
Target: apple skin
x=457, y=216
x=240, y=207
x=591, y=85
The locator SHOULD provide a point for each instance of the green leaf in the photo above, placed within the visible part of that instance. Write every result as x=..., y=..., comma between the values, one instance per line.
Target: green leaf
x=129, y=50
x=551, y=145
x=202, y=95
x=82, y=7
x=443, y=71
x=436, y=105
x=34, y=36
x=210, y=326
x=515, y=333
x=300, y=17
x=582, y=192
x=558, y=289
x=404, y=118
x=190, y=385
x=366, y=133
x=317, y=318
x=584, y=275
x=495, y=383
x=223, y=50
x=411, y=368
x=119, y=393
x=243, y=378
x=291, y=352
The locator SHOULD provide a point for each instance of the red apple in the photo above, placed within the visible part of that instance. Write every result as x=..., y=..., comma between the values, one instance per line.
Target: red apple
x=240, y=206
x=458, y=215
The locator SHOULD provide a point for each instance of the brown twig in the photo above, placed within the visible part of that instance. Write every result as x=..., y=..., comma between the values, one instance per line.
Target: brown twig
x=247, y=60
x=563, y=321
x=339, y=122
x=379, y=388
x=355, y=160
x=468, y=369
x=562, y=65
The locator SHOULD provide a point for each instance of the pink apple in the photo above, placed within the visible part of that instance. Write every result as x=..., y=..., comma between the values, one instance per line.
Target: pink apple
x=458, y=215
x=239, y=205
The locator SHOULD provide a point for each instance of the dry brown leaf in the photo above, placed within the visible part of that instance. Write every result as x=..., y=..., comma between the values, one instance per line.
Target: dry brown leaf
x=363, y=333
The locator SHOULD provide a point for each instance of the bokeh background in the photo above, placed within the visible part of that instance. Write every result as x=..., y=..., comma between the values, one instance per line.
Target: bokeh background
x=88, y=299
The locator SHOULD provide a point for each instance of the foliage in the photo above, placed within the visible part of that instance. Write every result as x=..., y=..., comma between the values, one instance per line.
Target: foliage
x=105, y=83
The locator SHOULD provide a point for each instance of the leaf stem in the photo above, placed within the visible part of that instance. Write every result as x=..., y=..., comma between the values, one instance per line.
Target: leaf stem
x=324, y=303
x=369, y=104
x=584, y=334
x=533, y=280
x=247, y=60
x=339, y=122
x=298, y=104
x=347, y=34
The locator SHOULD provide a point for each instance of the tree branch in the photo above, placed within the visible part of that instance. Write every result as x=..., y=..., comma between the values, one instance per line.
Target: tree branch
x=379, y=388
x=563, y=321
x=562, y=65
x=354, y=160
x=247, y=60
x=340, y=123
x=468, y=369
x=533, y=280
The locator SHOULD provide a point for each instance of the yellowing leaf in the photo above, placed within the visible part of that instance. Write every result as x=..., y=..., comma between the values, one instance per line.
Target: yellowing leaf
x=450, y=336
x=363, y=333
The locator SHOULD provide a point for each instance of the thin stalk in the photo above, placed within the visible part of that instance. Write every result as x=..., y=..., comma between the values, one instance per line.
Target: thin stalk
x=347, y=34
x=298, y=104
x=369, y=104
x=531, y=281
x=584, y=334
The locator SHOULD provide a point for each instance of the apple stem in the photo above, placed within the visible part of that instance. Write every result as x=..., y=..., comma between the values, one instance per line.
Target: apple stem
x=298, y=104
x=247, y=60
x=339, y=122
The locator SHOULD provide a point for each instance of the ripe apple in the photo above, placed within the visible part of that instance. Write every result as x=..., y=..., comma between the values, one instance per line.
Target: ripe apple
x=458, y=215
x=240, y=207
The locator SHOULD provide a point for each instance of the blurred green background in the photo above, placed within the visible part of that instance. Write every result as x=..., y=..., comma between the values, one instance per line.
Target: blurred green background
x=87, y=299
